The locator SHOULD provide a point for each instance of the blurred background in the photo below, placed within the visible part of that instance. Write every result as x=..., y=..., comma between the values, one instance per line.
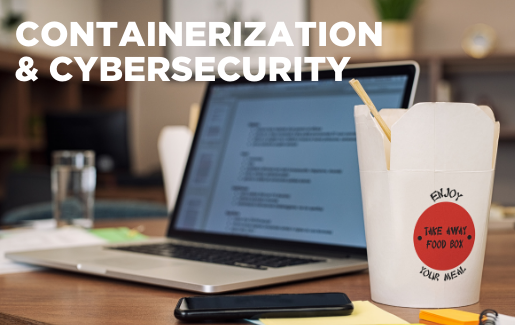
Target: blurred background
x=466, y=50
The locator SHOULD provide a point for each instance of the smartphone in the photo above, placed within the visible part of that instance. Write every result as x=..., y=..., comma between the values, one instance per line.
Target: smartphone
x=217, y=308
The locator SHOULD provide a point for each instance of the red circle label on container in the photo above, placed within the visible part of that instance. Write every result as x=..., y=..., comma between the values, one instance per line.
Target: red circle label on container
x=444, y=236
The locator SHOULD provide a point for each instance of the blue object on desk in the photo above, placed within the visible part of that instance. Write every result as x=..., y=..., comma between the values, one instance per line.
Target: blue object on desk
x=104, y=209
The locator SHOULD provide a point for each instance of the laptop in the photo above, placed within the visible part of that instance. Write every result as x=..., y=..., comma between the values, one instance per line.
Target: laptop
x=270, y=193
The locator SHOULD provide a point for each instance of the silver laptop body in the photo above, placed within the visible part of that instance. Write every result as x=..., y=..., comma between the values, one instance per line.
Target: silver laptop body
x=270, y=193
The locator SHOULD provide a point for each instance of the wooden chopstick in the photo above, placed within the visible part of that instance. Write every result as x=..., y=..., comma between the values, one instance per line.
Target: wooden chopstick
x=364, y=97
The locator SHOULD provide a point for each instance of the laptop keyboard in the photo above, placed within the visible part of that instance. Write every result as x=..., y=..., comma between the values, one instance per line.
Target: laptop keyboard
x=219, y=256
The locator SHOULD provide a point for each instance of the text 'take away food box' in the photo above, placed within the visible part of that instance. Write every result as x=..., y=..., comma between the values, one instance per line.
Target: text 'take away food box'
x=426, y=201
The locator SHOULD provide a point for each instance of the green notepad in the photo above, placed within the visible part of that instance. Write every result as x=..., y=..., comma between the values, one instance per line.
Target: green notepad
x=120, y=234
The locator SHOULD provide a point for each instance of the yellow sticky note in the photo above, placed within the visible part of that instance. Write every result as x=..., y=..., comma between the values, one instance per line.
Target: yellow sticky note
x=450, y=317
x=364, y=313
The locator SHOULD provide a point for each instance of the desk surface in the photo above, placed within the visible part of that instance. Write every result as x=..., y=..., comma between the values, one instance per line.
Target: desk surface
x=55, y=297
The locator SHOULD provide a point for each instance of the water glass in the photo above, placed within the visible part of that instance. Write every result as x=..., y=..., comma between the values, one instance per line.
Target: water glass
x=73, y=188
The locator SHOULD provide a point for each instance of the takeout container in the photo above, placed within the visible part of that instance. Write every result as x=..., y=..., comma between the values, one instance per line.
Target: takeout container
x=426, y=199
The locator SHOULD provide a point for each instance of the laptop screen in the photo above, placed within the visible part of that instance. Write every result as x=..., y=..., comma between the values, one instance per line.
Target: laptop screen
x=278, y=160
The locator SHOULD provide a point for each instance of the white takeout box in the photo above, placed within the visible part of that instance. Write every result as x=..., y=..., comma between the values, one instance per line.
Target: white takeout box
x=419, y=194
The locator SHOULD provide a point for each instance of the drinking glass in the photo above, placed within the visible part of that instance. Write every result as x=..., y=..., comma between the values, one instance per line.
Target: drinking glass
x=73, y=187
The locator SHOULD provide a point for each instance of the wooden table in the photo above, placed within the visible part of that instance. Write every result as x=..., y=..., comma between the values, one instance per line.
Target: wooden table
x=55, y=297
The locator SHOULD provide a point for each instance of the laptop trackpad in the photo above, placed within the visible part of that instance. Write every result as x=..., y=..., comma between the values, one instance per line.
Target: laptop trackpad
x=132, y=263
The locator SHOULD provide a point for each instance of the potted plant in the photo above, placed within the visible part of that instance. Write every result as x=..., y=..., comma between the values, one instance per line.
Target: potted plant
x=9, y=22
x=397, y=29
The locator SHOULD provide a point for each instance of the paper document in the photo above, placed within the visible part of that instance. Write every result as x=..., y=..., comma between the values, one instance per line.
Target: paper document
x=364, y=313
x=23, y=239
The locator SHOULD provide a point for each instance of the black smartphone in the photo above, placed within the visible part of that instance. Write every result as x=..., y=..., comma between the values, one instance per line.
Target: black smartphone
x=218, y=308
